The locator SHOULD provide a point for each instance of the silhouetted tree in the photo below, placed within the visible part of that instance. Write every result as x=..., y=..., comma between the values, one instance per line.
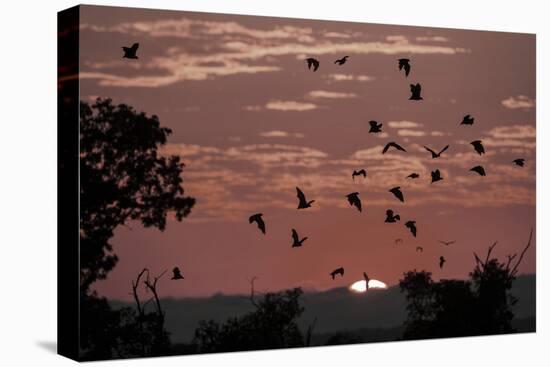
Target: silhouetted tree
x=451, y=308
x=122, y=177
x=273, y=324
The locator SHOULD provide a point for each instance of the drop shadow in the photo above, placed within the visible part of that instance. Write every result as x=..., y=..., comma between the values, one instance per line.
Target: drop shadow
x=50, y=346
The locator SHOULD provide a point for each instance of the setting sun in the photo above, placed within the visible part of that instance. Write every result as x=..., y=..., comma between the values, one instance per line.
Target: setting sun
x=361, y=285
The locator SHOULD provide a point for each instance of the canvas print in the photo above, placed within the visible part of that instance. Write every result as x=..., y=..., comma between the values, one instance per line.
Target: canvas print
x=248, y=183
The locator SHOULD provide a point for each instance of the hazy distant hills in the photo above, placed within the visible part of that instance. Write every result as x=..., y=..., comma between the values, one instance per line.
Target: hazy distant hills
x=378, y=315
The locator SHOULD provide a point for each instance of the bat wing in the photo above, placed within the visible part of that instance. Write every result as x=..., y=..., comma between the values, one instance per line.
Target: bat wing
x=431, y=151
x=300, y=195
x=134, y=47
x=357, y=202
x=444, y=149
x=398, y=147
x=398, y=194
x=261, y=225
x=407, y=69
x=295, y=235
x=315, y=65
x=386, y=148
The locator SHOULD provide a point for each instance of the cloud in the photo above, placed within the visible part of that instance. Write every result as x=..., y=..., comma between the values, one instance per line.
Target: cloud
x=252, y=108
x=329, y=94
x=412, y=133
x=349, y=77
x=512, y=132
x=438, y=133
x=176, y=73
x=229, y=48
x=280, y=134
x=397, y=38
x=403, y=124
x=432, y=38
x=336, y=35
x=193, y=28
x=290, y=106
x=517, y=102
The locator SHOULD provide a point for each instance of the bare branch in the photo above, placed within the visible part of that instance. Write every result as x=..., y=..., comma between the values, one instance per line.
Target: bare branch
x=510, y=259
x=251, y=281
x=515, y=268
x=152, y=286
x=309, y=332
x=478, y=260
x=489, y=252
x=135, y=285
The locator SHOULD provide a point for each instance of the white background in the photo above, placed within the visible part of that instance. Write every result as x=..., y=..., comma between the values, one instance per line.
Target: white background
x=28, y=182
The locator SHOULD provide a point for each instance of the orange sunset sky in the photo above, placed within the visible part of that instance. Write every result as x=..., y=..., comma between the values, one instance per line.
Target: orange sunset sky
x=251, y=123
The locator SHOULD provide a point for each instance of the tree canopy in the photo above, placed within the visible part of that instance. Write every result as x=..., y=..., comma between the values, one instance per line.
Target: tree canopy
x=122, y=177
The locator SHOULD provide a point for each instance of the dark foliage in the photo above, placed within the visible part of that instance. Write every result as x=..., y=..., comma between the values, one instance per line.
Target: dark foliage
x=122, y=177
x=481, y=305
x=272, y=325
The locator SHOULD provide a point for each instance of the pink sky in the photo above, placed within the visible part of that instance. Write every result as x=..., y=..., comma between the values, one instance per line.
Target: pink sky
x=251, y=123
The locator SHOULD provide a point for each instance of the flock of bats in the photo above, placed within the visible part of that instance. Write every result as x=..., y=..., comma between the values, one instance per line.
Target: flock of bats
x=353, y=198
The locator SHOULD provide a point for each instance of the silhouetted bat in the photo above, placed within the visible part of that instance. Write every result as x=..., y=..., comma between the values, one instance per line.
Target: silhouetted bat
x=478, y=147
x=411, y=224
x=404, y=64
x=375, y=127
x=434, y=154
x=296, y=241
x=336, y=272
x=354, y=200
x=415, y=92
x=312, y=62
x=441, y=262
x=478, y=169
x=467, y=120
x=361, y=172
x=447, y=243
x=302, y=202
x=394, y=145
x=341, y=61
x=130, y=52
x=436, y=176
x=519, y=162
x=177, y=274
x=258, y=219
x=413, y=175
x=398, y=194
x=390, y=217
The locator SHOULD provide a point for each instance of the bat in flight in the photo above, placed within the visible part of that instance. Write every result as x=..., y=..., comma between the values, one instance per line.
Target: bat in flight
x=296, y=241
x=130, y=52
x=176, y=274
x=434, y=154
x=392, y=144
x=354, y=200
x=259, y=221
x=341, y=61
x=405, y=64
x=312, y=62
x=398, y=193
x=302, y=202
x=360, y=172
x=336, y=272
